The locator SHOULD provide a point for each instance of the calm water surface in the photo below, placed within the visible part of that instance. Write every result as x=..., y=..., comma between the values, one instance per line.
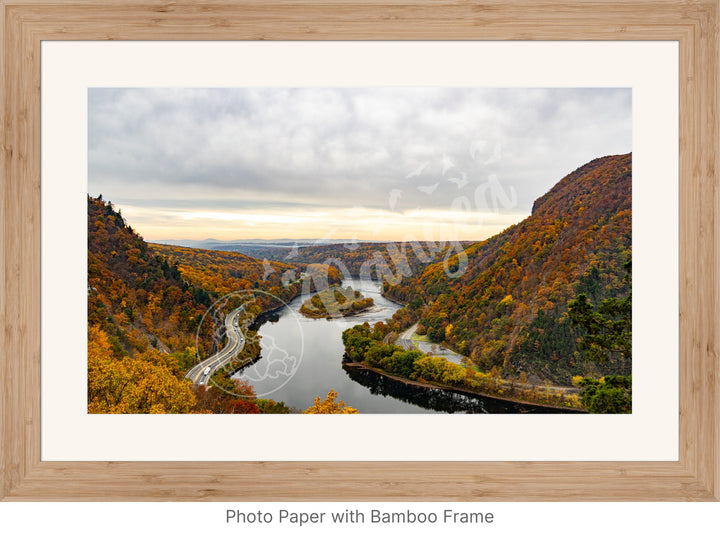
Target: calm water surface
x=301, y=358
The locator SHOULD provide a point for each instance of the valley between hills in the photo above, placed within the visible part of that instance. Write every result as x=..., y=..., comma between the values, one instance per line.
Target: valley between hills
x=534, y=319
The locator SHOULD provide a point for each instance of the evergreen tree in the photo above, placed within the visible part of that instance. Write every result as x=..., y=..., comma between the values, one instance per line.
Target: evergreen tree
x=608, y=331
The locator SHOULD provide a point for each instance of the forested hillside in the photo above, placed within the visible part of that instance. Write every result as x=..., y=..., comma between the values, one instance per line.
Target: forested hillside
x=145, y=308
x=508, y=310
x=222, y=272
x=374, y=260
x=136, y=296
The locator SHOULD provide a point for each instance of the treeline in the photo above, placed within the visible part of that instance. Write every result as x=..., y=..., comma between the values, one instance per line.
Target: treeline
x=365, y=344
x=369, y=346
x=389, y=261
x=231, y=273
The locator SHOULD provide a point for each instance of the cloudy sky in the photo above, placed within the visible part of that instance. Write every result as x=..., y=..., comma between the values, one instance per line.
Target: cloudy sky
x=366, y=163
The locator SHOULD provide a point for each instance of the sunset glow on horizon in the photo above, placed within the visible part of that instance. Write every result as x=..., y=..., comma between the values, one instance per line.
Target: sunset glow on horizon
x=363, y=224
x=372, y=164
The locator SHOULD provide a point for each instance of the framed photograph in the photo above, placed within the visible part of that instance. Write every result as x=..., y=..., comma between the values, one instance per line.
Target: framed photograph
x=423, y=198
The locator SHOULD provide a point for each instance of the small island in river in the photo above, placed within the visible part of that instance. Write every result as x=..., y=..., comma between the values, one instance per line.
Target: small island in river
x=336, y=301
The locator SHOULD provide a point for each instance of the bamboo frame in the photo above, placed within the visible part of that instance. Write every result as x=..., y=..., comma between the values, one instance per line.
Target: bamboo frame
x=694, y=24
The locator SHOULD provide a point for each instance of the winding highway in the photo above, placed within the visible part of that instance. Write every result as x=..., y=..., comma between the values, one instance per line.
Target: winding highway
x=405, y=339
x=203, y=371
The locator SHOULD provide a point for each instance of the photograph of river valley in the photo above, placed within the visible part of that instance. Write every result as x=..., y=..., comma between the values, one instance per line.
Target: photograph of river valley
x=359, y=250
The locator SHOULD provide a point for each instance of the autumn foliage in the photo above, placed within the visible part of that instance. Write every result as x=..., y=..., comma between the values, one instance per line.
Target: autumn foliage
x=509, y=309
x=145, y=306
x=137, y=297
x=389, y=261
x=330, y=406
x=221, y=272
x=335, y=301
x=144, y=384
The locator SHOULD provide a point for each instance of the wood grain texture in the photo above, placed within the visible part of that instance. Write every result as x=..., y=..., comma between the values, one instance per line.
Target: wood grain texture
x=694, y=24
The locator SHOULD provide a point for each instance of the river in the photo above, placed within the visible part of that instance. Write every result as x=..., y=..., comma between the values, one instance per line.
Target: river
x=301, y=358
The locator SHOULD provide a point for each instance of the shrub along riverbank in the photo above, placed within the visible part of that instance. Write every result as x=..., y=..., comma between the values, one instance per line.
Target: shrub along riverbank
x=364, y=344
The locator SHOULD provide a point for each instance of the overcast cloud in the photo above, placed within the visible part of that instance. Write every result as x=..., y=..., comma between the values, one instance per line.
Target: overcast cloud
x=163, y=153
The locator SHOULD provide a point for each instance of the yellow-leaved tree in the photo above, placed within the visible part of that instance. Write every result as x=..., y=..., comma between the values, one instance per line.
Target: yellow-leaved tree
x=330, y=406
x=132, y=385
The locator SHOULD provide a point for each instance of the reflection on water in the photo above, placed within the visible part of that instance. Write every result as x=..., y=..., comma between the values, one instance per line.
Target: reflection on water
x=436, y=399
x=301, y=358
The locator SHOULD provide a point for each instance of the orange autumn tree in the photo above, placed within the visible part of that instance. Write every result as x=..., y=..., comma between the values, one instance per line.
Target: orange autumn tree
x=330, y=406
x=132, y=385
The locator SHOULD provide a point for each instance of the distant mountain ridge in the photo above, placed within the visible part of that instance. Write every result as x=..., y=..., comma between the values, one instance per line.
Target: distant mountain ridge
x=508, y=309
x=236, y=245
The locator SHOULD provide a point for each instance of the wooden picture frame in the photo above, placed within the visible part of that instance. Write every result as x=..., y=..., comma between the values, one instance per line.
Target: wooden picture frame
x=693, y=24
